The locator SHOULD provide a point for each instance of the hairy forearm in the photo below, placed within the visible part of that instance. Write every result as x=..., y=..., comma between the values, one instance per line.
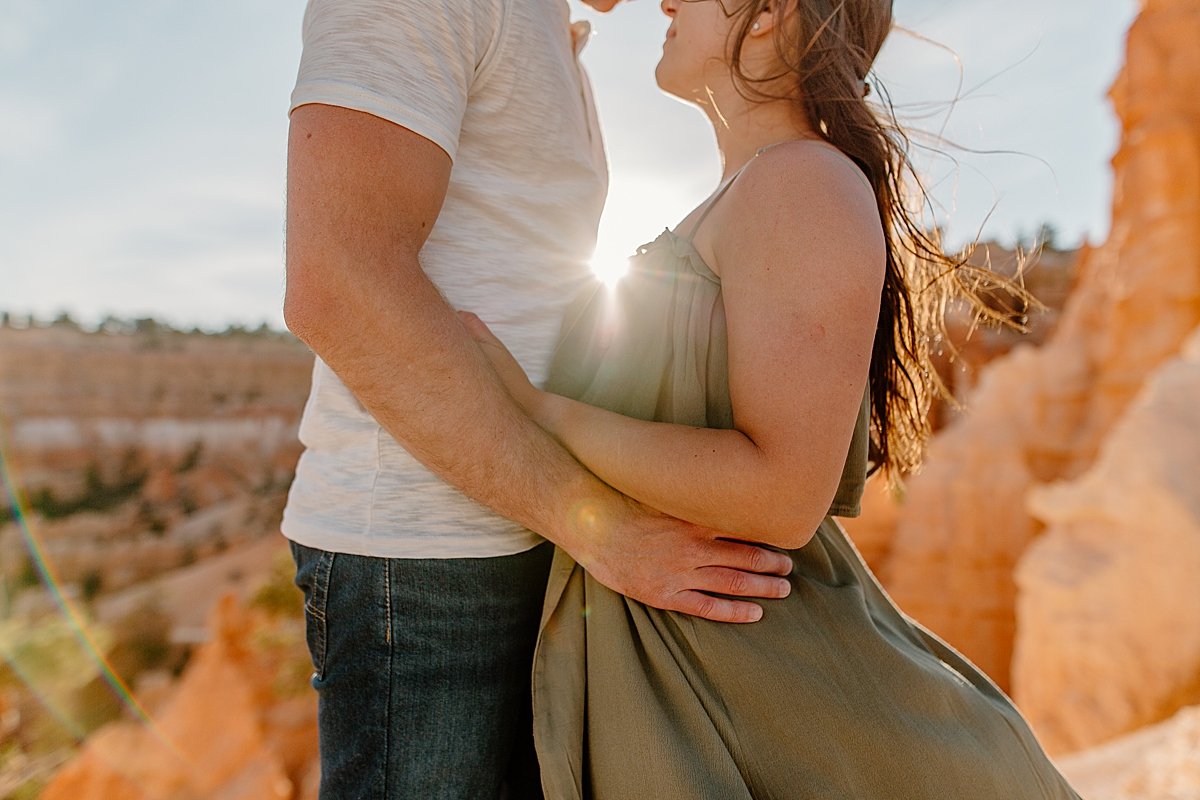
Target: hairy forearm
x=409, y=361
x=718, y=478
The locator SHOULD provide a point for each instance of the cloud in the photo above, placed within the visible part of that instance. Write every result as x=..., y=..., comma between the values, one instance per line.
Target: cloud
x=192, y=251
x=24, y=21
x=32, y=125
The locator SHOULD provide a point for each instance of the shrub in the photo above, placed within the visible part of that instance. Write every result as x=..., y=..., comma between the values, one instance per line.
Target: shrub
x=91, y=585
x=279, y=596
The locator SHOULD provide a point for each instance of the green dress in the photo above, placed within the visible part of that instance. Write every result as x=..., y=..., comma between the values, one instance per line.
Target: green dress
x=835, y=693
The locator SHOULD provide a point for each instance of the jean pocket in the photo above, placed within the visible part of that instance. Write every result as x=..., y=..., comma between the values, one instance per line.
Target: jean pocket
x=313, y=568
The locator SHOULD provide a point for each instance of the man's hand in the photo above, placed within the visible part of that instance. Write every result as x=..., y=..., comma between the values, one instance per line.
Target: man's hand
x=671, y=564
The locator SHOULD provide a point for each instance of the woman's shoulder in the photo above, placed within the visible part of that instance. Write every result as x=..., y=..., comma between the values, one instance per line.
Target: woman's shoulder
x=801, y=196
x=804, y=171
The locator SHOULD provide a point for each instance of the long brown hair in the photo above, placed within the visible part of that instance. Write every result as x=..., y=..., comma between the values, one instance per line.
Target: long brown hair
x=826, y=49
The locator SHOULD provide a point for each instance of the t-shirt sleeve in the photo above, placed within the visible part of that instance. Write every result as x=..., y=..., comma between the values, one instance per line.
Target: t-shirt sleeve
x=411, y=62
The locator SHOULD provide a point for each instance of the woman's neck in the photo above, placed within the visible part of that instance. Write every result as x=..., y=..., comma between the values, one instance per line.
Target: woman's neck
x=743, y=127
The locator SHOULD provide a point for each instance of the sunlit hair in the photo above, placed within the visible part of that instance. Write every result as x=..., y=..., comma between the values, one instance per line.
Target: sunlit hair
x=826, y=49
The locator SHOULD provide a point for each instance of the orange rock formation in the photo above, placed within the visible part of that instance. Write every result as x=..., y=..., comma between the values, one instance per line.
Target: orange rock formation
x=1043, y=416
x=1156, y=763
x=1108, y=637
x=224, y=735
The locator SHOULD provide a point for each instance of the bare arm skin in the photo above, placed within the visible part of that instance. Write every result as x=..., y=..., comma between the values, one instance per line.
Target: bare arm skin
x=362, y=195
x=801, y=254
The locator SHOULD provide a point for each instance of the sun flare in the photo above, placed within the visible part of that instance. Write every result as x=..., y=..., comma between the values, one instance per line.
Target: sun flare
x=609, y=267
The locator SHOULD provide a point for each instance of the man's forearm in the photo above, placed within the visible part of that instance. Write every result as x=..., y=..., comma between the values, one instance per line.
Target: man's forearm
x=407, y=358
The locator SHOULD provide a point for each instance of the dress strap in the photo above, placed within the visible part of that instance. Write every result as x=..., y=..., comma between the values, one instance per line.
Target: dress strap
x=713, y=201
x=722, y=189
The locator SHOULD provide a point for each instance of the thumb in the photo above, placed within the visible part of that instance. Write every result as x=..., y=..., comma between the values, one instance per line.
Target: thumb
x=475, y=325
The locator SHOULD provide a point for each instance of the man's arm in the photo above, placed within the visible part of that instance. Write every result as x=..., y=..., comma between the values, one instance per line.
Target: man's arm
x=362, y=196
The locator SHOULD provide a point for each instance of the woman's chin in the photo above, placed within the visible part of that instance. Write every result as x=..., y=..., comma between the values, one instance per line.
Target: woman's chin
x=662, y=77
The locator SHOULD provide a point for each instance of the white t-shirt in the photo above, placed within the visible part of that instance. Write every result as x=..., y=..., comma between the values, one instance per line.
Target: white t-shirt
x=498, y=85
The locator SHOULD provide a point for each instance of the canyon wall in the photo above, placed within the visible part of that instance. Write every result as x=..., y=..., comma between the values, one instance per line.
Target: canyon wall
x=1063, y=416
x=141, y=452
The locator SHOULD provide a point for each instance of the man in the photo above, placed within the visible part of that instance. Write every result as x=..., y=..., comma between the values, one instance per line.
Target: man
x=445, y=154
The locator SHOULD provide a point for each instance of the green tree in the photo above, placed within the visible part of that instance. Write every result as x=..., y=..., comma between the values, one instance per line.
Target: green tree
x=64, y=320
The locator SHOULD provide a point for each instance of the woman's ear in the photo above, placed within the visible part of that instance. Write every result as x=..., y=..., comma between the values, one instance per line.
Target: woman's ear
x=764, y=23
x=774, y=10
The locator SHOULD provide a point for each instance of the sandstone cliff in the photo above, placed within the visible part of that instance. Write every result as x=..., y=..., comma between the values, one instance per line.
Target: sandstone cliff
x=142, y=452
x=1160, y=762
x=1043, y=416
x=239, y=726
x=154, y=466
x=1108, y=637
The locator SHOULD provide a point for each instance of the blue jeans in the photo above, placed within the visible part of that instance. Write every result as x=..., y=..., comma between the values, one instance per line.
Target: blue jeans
x=422, y=671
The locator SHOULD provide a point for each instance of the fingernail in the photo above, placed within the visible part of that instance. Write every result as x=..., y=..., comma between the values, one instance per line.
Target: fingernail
x=756, y=614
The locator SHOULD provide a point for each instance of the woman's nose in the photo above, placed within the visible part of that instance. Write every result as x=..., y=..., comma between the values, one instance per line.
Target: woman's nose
x=669, y=6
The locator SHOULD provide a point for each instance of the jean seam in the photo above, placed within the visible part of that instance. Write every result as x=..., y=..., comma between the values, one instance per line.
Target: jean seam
x=318, y=608
x=387, y=728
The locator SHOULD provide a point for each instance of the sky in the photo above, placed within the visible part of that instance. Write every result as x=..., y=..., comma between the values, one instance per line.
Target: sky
x=142, y=142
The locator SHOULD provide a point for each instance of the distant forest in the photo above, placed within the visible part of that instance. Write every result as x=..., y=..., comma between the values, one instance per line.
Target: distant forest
x=1044, y=238
x=146, y=326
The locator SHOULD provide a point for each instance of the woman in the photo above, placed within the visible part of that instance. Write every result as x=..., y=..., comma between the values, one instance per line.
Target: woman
x=732, y=381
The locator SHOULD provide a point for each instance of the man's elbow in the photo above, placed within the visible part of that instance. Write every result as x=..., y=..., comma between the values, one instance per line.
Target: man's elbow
x=308, y=305
x=300, y=313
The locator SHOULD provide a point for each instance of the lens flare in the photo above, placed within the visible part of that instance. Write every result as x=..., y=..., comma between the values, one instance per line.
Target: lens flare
x=87, y=641
x=609, y=268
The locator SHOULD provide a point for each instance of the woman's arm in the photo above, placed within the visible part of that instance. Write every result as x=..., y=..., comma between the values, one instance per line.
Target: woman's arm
x=713, y=477
x=799, y=247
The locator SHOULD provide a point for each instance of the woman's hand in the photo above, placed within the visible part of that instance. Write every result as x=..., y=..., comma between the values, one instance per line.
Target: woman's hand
x=511, y=374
